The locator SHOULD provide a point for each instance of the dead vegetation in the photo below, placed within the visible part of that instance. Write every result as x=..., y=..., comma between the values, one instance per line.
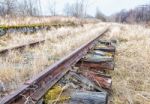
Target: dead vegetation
x=131, y=81
x=16, y=21
x=27, y=64
x=15, y=39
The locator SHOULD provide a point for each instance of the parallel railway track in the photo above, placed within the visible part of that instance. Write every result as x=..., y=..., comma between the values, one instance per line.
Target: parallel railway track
x=37, y=87
x=33, y=27
x=5, y=50
x=23, y=45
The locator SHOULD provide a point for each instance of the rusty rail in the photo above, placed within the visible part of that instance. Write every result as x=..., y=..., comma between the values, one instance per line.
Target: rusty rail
x=22, y=46
x=35, y=88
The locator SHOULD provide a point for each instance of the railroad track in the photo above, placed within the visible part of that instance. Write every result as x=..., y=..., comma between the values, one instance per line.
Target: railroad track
x=3, y=51
x=85, y=66
x=22, y=46
x=30, y=44
x=33, y=28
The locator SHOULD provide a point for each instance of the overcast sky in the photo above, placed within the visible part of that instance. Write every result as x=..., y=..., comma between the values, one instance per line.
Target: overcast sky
x=107, y=7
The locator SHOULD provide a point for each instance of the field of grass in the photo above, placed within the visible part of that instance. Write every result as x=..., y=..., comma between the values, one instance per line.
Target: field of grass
x=23, y=66
x=131, y=78
x=14, y=39
x=17, y=21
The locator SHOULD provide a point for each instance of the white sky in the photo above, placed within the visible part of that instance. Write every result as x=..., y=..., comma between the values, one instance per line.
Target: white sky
x=108, y=7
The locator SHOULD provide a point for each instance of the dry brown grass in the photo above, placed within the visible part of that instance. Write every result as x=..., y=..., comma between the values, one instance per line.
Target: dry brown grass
x=18, y=67
x=131, y=78
x=15, y=39
x=9, y=21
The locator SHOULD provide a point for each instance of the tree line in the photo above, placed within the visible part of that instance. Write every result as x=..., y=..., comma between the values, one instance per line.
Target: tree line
x=76, y=9
x=16, y=7
x=140, y=14
x=33, y=8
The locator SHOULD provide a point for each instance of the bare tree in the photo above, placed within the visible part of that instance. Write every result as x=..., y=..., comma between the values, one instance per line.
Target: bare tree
x=39, y=7
x=2, y=9
x=100, y=15
x=78, y=9
x=29, y=8
x=84, y=5
x=137, y=15
x=10, y=6
x=52, y=7
x=24, y=7
x=67, y=9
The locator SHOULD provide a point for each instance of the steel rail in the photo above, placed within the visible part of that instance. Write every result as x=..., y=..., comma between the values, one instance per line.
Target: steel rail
x=22, y=46
x=35, y=88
